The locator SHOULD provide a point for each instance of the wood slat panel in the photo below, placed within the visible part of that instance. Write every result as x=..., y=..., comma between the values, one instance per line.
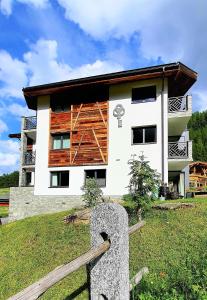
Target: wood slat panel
x=88, y=127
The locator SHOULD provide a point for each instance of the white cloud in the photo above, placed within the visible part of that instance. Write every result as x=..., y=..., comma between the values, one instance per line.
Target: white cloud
x=13, y=75
x=39, y=66
x=19, y=110
x=170, y=30
x=3, y=126
x=6, y=5
x=9, y=156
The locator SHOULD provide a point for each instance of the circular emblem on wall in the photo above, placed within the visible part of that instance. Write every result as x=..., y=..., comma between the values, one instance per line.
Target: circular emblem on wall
x=118, y=113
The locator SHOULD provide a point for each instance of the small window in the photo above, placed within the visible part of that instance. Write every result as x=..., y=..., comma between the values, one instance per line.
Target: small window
x=99, y=175
x=144, y=94
x=61, y=141
x=59, y=104
x=59, y=179
x=144, y=135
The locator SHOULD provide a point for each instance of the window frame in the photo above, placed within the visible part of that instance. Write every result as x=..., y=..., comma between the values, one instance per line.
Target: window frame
x=53, y=135
x=143, y=135
x=143, y=100
x=59, y=174
x=60, y=103
x=95, y=170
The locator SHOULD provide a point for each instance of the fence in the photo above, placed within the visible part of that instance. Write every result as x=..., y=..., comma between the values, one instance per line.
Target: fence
x=107, y=260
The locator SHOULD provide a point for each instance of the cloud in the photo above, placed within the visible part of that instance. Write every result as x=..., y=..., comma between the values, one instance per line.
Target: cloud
x=41, y=65
x=167, y=30
x=6, y=5
x=3, y=126
x=9, y=156
x=13, y=75
x=19, y=110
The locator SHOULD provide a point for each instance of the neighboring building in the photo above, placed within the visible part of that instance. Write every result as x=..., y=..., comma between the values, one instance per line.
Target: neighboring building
x=91, y=127
x=198, y=175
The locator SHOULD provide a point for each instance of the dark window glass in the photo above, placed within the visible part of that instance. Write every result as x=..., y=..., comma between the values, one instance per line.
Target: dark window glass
x=59, y=104
x=137, y=135
x=150, y=134
x=60, y=179
x=142, y=135
x=144, y=94
x=99, y=175
x=61, y=141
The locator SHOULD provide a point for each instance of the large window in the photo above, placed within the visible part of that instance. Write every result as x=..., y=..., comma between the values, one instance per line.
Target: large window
x=144, y=94
x=99, y=175
x=59, y=104
x=61, y=141
x=144, y=135
x=59, y=179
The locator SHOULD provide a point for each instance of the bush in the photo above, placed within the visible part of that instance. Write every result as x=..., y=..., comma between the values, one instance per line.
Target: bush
x=143, y=184
x=92, y=193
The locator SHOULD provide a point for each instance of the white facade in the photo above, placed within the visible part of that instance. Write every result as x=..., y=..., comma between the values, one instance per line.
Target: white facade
x=120, y=148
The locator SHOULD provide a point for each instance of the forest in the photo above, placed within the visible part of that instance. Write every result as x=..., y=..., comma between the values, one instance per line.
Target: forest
x=198, y=134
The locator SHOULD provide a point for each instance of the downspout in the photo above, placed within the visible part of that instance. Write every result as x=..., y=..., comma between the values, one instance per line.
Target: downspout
x=162, y=123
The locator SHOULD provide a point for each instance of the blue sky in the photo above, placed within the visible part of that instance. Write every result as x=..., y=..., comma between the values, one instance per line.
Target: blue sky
x=44, y=41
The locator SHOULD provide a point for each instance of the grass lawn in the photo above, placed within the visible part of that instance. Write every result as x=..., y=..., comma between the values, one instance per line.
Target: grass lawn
x=4, y=210
x=172, y=245
x=4, y=191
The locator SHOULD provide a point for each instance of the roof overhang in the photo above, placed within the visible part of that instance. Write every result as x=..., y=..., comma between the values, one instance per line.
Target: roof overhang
x=180, y=79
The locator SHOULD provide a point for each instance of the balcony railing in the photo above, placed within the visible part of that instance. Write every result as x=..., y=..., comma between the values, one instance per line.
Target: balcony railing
x=178, y=104
x=29, y=158
x=178, y=150
x=30, y=123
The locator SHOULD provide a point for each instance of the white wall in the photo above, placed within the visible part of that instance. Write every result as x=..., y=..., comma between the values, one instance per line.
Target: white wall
x=120, y=142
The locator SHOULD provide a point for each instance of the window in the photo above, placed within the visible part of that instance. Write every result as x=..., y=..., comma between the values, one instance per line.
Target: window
x=99, y=175
x=59, y=179
x=59, y=104
x=144, y=135
x=61, y=141
x=144, y=94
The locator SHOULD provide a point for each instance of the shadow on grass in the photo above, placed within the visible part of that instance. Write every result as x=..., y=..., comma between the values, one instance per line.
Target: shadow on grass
x=77, y=292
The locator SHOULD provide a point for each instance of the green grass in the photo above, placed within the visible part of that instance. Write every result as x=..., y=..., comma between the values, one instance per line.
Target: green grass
x=4, y=191
x=172, y=245
x=4, y=210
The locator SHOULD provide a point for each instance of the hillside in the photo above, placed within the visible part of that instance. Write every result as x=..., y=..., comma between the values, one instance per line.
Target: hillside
x=198, y=133
x=172, y=244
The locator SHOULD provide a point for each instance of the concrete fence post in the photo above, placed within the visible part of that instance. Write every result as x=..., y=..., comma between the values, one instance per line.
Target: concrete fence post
x=109, y=274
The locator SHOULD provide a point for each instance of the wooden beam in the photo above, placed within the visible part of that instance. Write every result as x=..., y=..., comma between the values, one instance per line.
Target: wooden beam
x=35, y=290
x=101, y=114
x=100, y=150
x=77, y=116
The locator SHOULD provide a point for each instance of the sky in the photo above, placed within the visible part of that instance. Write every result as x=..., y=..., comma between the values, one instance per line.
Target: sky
x=43, y=41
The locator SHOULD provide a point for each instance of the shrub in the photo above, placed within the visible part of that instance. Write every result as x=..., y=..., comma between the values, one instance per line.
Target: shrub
x=143, y=184
x=92, y=193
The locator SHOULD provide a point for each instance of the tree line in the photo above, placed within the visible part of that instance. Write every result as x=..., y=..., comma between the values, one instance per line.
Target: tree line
x=198, y=134
x=9, y=180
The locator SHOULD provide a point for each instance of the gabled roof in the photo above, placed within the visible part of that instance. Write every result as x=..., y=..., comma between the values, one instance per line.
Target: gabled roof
x=180, y=79
x=198, y=163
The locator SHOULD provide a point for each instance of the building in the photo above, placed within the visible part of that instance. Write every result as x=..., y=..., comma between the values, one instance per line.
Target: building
x=198, y=176
x=92, y=127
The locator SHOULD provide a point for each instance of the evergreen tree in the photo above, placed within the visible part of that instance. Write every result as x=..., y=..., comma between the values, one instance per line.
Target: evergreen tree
x=143, y=184
x=198, y=134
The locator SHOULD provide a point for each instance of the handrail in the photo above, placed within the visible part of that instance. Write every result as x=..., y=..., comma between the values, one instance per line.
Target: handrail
x=178, y=104
x=35, y=290
x=30, y=123
x=178, y=149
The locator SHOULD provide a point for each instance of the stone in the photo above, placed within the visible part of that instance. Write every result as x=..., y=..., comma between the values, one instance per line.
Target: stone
x=109, y=274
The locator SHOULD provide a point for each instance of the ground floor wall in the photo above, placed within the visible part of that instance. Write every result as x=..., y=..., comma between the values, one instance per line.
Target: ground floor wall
x=23, y=203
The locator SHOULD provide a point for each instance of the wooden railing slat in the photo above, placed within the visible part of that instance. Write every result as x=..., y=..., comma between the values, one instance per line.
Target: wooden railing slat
x=35, y=290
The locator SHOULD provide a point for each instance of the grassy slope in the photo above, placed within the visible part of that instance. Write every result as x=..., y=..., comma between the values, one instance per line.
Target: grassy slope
x=172, y=245
x=4, y=191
